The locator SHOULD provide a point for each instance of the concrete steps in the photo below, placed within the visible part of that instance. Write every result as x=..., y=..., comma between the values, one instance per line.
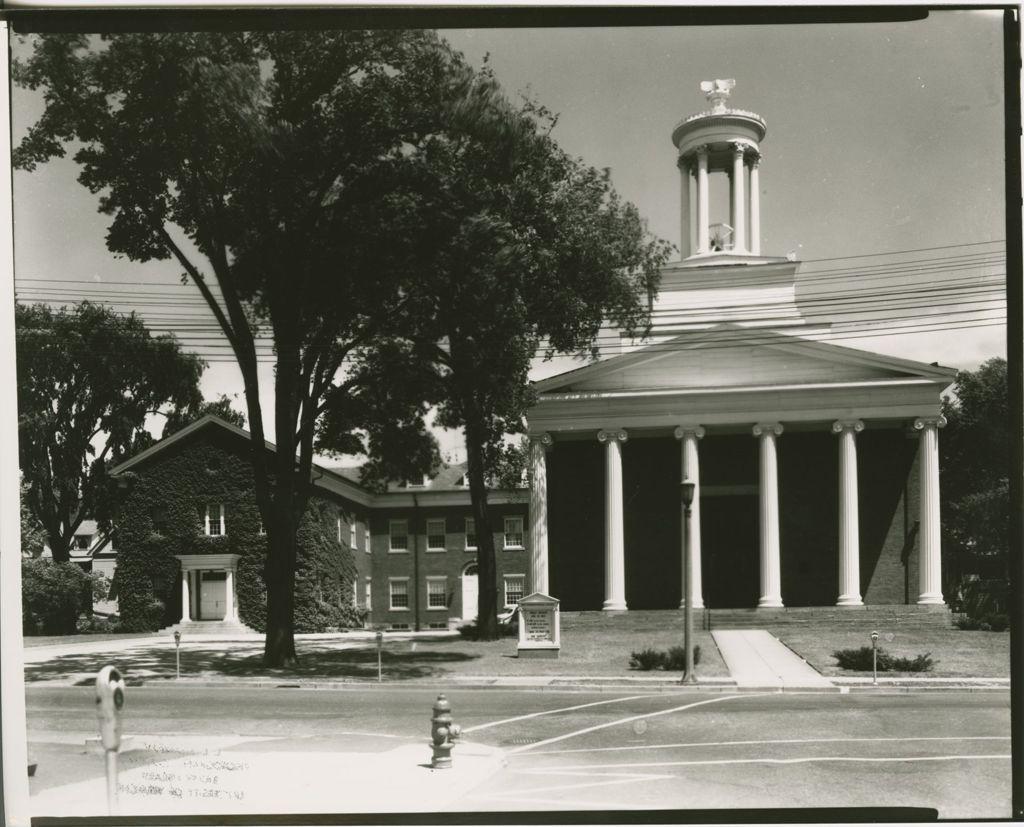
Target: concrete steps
x=210, y=628
x=905, y=617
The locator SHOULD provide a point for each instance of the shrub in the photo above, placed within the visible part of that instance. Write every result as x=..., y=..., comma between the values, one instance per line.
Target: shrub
x=53, y=595
x=647, y=659
x=674, y=660
x=859, y=660
x=470, y=631
x=992, y=622
x=97, y=624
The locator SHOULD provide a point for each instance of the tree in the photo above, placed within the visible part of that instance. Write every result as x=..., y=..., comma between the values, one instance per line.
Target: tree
x=33, y=535
x=88, y=378
x=975, y=468
x=535, y=253
x=220, y=407
x=280, y=171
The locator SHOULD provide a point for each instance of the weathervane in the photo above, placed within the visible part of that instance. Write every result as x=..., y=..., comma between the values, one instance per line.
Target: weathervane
x=717, y=91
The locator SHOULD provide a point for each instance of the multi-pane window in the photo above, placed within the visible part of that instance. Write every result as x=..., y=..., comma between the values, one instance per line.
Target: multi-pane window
x=437, y=592
x=82, y=541
x=398, y=531
x=213, y=520
x=399, y=587
x=159, y=517
x=369, y=593
x=515, y=584
x=470, y=534
x=366, y=536
x=260, y=528
x=513, y=532
x=435, y=535
x=339, y=527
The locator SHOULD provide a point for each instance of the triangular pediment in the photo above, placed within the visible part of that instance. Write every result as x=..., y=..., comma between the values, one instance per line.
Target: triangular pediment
x=728, y=356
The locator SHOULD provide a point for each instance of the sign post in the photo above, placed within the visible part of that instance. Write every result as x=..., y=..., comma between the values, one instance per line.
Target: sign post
x=539, y=626
x=380, y=645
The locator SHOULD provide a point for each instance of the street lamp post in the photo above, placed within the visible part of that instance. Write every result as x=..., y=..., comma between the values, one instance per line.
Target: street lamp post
x=686, y=489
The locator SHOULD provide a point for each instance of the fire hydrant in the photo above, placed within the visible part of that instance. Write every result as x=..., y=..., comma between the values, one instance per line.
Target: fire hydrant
x=443, y=734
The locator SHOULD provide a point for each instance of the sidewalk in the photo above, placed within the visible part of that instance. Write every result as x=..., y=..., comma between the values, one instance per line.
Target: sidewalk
x=243, y=775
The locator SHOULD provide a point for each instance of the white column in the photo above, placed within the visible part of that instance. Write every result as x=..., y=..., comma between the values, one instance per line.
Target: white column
x=849, y=513
x=739, y=201
x=185, y=604
x=755, y=207
x=614, y=538
x=703, y=200
x=229, y=596
x=930, y=562
x=539, y=445
x=684, y=209
x=771, y=577
x=689, y=434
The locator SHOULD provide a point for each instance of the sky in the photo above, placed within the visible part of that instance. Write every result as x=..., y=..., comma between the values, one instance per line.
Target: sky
x=883, y=140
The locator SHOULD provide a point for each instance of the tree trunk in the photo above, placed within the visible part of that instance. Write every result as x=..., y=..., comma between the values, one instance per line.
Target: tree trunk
x=487, y=595
x=279, y=646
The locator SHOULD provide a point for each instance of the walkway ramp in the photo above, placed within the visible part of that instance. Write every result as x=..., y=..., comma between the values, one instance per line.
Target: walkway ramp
x=756, y=658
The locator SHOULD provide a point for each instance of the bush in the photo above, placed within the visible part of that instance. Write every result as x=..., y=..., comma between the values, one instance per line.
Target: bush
x=97, y=624
x=992, y=622
x=470, y=631
x=674, y=660
x=53, y=595
x=859, y=660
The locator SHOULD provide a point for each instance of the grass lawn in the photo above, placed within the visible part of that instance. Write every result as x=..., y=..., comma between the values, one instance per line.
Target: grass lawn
x=957, y=654
x=590, y=653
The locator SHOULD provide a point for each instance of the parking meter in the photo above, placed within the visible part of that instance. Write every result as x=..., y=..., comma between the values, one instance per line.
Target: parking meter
x=109, y=702
x=874, y=658
x=177, y=655
x=380, y=645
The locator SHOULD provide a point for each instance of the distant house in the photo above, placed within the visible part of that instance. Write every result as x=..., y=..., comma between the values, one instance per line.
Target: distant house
x=191, y=545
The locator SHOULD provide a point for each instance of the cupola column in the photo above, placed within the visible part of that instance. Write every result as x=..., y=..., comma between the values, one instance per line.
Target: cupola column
x=755, y=206
x=684, y=208
x=703, y=200
x=539, y=446
x=739, y=200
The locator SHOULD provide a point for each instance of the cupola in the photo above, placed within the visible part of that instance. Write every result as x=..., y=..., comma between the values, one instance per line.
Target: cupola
x=719, y=141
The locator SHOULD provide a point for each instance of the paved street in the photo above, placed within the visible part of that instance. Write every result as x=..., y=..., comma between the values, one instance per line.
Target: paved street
x=538, y=750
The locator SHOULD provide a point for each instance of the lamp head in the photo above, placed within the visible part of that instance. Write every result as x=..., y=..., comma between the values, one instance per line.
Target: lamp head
x=686, y=489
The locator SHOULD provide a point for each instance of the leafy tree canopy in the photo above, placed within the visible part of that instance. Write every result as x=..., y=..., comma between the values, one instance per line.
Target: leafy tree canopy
x=975, y=462
x=88, y=378
x=221, y=407
x=284, y=172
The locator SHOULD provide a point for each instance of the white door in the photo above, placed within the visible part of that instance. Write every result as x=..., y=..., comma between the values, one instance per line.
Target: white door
x=213, y=594
x=470, y=593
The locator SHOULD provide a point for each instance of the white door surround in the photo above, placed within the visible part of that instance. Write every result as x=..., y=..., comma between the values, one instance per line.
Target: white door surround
x=470, y=592
x=198, y=597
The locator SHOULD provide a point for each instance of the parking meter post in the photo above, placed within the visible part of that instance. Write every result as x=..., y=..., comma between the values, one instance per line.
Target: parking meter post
x=177, y=655
x=874, y=658
x=380, y=644
x=109, y=703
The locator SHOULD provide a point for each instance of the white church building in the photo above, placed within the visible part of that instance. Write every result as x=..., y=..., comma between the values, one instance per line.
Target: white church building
x=816, y=465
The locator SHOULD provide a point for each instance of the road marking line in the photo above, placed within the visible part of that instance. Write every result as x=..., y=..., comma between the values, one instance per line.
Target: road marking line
x=633, y=718
x=555, y=711
x=517, y=793
x=811, y=760
x=777, y=741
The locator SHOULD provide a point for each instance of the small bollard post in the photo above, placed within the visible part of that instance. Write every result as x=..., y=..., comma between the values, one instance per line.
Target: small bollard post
x=177, y=655
x=109, y=702
x=874, y=658
x=443, y=734
x=380, y=645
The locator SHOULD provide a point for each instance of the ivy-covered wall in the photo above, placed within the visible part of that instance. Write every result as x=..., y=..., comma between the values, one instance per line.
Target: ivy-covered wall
x=162, y=504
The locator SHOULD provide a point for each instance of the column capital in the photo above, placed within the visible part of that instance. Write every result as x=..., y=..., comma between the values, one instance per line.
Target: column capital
x=840, y=425
x=923, y=422
x=543, y=438
x=702, y=151
x=613, y=434
x=694, y=430
x=738, y=147
x=765, y=428
x=753, y=157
